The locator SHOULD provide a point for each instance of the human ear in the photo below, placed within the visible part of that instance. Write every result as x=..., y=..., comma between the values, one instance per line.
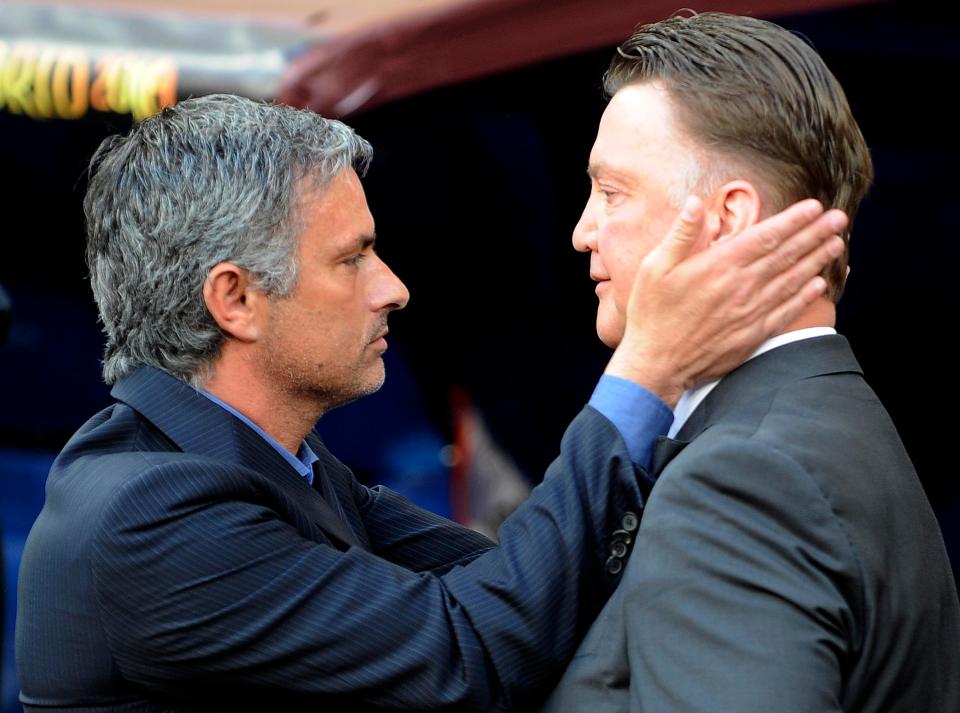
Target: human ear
x=234, y=304
x=734, y=208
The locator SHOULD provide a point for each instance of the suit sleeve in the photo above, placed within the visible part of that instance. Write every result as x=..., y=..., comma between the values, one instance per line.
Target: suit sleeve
x=208, y=597
x=738, y=589
x=414, y=538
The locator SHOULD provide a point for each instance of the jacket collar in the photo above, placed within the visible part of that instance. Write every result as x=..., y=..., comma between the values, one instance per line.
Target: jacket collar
x=792, y=362
x=197, y=425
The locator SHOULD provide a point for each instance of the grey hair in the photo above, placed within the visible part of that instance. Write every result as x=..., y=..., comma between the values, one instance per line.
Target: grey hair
x=207, y=180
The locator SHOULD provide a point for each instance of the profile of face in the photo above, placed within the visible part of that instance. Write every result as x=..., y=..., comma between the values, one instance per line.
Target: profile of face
x=639, y=167
x=325, y=341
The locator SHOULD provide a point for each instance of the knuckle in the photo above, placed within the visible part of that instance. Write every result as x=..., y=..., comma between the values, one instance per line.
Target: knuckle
x=791, y=282
x=789, y=255
x=769, y=241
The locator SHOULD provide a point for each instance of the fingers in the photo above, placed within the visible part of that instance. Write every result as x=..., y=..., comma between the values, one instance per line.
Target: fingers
x=778, y=318
x=682, y=238
x=696, y=313
x=784, y=237
x=790, y=280
x=823, y=232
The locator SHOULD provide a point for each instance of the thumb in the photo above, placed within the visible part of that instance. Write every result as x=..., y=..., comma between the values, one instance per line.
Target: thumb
x=683, y=237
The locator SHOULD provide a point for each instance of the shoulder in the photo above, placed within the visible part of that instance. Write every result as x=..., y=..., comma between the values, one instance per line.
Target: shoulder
x=777, y=469
x=120, y=468
x=742, y=482
x=735, y=522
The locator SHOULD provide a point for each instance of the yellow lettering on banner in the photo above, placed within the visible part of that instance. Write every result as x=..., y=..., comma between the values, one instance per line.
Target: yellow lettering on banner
x=70, y=83
x=4, y=51
x=167, y=85
x=130, y=84
x=117, y=96
x=17, y=79
x=154, y=88
x=41, y=83
x=138, y=91
x=46, y=81
x=98, y=88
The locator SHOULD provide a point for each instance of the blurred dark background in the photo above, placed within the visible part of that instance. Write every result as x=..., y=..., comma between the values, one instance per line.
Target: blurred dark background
x=476, y=189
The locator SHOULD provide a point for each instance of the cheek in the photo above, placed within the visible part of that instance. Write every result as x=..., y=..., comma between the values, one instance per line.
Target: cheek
x=621, y=253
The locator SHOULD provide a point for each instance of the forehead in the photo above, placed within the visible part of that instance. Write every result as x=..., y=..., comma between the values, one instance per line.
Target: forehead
x=637, y=126
x=336, y=213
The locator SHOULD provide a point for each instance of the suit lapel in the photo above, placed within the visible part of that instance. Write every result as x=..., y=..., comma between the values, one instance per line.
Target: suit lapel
x=197, y=425
x=341, y=488
x=754, y=381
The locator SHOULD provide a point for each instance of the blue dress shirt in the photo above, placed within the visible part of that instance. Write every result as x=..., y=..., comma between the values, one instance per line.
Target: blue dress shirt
x=637, y=413
x=302, y=462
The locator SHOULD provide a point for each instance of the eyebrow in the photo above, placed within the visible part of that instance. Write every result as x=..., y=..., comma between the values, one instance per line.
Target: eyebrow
x=594, y=169
x=368, y=240
x=357, y=244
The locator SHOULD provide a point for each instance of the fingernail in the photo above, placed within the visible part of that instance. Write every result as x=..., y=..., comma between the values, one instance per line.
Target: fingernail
x=838, y=221
x=813, y=208
x=835, y=246
x=689, y=208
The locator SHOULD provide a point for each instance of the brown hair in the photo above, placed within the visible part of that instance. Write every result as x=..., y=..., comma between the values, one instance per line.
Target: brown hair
x=758, y=97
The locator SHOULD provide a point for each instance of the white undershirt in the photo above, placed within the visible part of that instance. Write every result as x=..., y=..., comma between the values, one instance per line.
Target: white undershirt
x=691, y=398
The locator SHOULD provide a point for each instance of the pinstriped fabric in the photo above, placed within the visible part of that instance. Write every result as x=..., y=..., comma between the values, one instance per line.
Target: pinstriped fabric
x=180, y=563
x=417, y=539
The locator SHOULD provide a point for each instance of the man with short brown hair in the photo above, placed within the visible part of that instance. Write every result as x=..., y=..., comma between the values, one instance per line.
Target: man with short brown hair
x=787, y=559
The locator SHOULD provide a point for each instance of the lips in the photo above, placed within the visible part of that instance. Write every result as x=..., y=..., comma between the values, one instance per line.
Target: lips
x=381, y=335
x=601, y=281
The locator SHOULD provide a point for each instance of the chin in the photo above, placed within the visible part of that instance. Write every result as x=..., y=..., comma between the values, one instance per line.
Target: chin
x=610, y=334
x=374, y=380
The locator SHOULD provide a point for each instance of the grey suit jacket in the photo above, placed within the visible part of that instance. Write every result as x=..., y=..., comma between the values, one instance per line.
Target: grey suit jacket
x=787, y=560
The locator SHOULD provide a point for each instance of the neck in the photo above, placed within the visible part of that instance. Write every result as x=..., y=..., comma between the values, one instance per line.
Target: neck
x=822, y=313
x=236, y=381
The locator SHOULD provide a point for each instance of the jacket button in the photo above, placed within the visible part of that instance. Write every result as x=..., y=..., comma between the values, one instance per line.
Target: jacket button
x=622, y=536
x=630, y=522
x=614, y=565
x=618, y=549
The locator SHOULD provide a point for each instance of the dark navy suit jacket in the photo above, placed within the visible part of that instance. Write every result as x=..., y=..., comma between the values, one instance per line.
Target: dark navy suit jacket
x=180, y=563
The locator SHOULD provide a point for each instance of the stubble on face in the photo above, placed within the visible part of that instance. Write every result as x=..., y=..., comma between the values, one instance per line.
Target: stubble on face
x=320, y=345
x=321, y=379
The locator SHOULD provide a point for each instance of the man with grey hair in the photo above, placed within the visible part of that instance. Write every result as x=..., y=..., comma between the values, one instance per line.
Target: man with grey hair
x=200, y=549
x=788, y=559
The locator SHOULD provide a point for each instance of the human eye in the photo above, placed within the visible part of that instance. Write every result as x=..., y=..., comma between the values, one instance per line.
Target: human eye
x=364, y=251
x=611, y=195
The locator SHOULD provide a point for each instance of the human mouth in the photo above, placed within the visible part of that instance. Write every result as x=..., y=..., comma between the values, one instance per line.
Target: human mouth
x=380, y=341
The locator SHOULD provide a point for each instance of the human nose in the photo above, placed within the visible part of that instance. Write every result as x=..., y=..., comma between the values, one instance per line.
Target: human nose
x=585, y=232
x=392, y=294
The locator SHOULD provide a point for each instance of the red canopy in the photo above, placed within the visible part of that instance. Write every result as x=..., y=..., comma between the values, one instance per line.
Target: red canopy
x=337, y=57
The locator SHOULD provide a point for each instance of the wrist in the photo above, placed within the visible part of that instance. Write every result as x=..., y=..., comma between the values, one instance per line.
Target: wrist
x=656, y=374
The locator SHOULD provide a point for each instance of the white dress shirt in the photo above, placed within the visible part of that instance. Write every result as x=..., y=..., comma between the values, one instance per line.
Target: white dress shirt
x=691, y=398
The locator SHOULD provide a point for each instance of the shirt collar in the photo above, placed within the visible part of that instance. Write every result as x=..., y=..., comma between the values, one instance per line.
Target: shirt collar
x=693, y=397
x=302, y=462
